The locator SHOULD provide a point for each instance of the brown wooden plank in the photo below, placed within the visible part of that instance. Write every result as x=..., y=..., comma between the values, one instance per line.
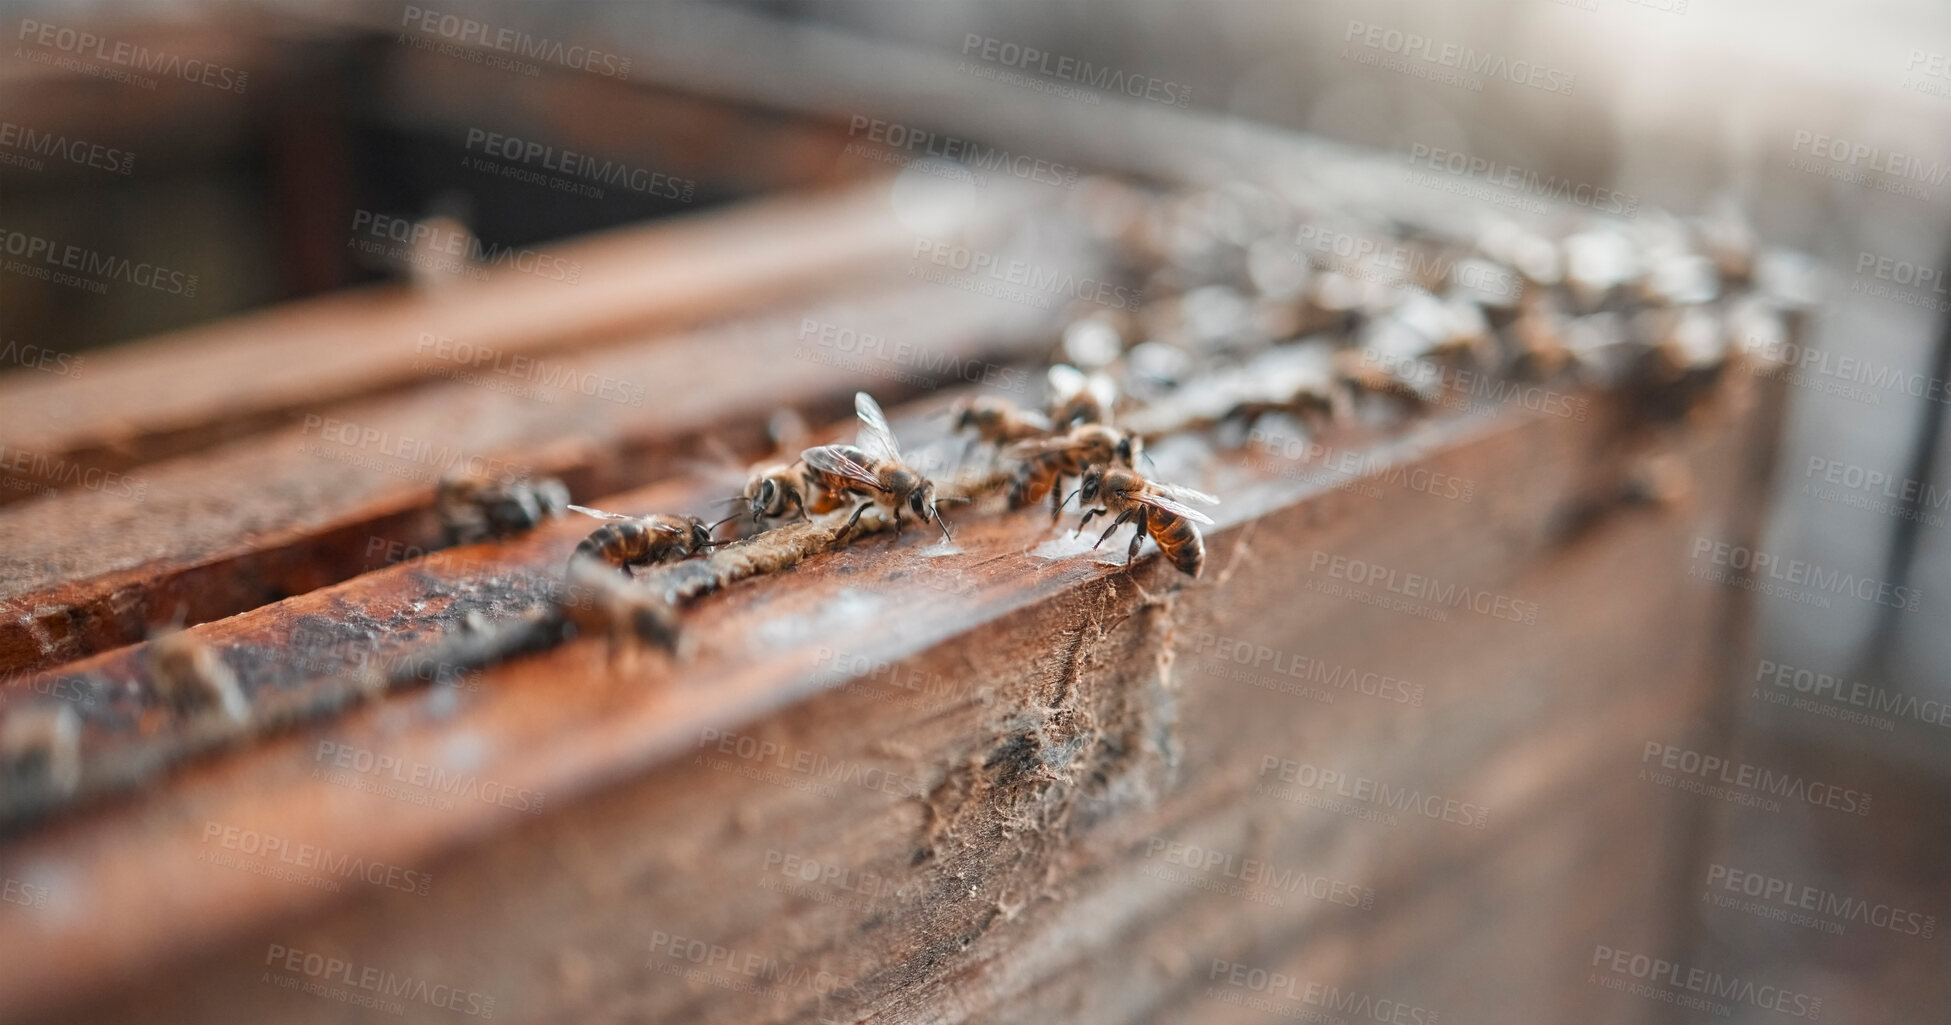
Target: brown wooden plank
x=301, y=507
x=1104, y=648
x=186, y=390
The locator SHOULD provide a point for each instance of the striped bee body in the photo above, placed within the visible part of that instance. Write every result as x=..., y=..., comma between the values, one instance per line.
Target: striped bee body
x=628, y=541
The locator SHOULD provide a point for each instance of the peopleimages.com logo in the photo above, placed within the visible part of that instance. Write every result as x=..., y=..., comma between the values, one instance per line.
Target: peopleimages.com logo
x=452, y=28
x=1447, y=62
x=1693, y=987
x=75, y=43
x=1714, y=775
x=1058, y=68
x=90, y=269
x=1793, y=578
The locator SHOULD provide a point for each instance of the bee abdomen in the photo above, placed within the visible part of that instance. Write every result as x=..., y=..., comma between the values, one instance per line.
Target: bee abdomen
x=618, y=544
x=1035, y=483
x=1181, y=543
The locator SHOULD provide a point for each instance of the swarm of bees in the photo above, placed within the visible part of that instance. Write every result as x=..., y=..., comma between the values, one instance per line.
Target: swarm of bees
x=872, y=474
x=1247, y=316
x=1242, y=325
x=1039, y=450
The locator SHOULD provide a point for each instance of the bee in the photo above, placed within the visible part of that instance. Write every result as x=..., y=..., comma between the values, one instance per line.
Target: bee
x=1410, y=380
x=776, y=489
x=777, y=486
x=1080, y=398
x=40, y=747
x=1297, y=380
x=1048, y=461
x=191, y=677
x=999, y=422
x=475, y=507
x=1304, y=381
x=1156, y=508
x=1537, y=338
x=601, y=605
x=873, y=469
x=642, y=540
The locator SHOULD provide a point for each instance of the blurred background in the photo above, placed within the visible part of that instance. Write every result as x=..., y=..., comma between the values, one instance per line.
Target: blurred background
x=1827, y=126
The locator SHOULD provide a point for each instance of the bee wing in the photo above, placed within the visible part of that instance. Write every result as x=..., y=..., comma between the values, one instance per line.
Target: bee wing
x=1184, y=494
x=655, y=524
x=1103, y=389
x=1162, y=502
x=1066, y=381
x=601, y=515
x=788, y=430
x=875, y=435
x=1030, y=448
x=829, y=459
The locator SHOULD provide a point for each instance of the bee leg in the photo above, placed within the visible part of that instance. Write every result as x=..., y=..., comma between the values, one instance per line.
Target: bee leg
x=855, y=518
x=1086, y=521
x=1137, y=537
x=1115, y=524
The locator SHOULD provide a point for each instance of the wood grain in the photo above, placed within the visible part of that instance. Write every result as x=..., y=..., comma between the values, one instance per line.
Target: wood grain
x=301, y=506
x=1009, y=811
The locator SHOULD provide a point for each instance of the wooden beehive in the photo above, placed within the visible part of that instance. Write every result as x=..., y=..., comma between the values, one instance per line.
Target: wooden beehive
x=1380, y=761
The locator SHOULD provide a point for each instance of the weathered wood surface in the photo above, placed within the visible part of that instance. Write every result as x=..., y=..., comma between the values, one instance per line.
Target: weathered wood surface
x=999, y=747
x=295, y=508
x=183, y=391
x=1024, y=729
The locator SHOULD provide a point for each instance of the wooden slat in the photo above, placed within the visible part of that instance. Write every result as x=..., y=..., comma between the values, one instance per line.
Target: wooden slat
x=1068, y=648
x=185, y=390
x=230, y=529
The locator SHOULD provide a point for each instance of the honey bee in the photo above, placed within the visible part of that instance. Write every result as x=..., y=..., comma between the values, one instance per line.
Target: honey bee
x=1297, y=380
x=1158, y=509
x=40, y=748
x=599, y=604
x=776, y=489
x=1048, y=461
x=1080, y=398
x=191, y=677
x=630, y=541
x=777, y=486
x=1537, y=340
x=1417, y=383
x=475, y=507
x=873, y=469
x=999, y=422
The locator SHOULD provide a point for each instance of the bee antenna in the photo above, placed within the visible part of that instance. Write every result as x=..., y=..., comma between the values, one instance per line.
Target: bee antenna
x=1067, y=498
x=724, y=521
x=728, y=501
x=942, y=523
